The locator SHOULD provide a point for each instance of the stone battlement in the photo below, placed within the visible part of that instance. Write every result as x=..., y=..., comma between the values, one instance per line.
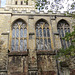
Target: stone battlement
x=26, y=11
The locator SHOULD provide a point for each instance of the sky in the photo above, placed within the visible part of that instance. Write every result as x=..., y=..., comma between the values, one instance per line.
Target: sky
x=3, y=3
x=65, y=3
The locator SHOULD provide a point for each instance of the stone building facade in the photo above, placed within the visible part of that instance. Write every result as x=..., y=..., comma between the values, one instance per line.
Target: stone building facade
x=30, y=39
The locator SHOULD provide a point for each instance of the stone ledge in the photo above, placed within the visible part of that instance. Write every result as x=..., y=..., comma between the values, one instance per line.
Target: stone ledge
x=16, y=53
x=45, y=52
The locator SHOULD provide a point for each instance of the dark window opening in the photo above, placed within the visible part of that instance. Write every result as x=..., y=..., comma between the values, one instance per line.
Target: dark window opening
x=21, y=2
x=27, y=2
x=43, y=40
x=15, y=2
x=63, y=28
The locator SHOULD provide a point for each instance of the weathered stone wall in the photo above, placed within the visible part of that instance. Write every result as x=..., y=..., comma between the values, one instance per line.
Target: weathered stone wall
x=46, y=65
x=32, y=62
x=18, y=65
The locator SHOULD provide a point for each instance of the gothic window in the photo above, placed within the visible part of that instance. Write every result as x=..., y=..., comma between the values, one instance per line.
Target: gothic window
x=63, y=27
x=15, y=2
x=43, y=40
x=21, y=2
x=26, y=2
x=19, y=36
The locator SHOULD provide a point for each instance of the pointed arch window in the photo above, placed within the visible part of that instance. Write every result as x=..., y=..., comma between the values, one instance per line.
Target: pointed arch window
x=63, y=27
x=43, y=40
x=16, y=2
x=19, y=36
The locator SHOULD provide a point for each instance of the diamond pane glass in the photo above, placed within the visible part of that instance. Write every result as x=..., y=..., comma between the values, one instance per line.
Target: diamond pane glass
x=21, y=45
x=37, y=44
x=17, y=33
x=41, y=44
x=40, y=32
x=13, y=45
x=64, y=43
x=45, y=43
x=49, y=43
x=17, y=43
x=25, y=32
x=13, y=33
x=25, y=44
x=65, y=30
x=37, y=35
x=44, y=32
x=62, y=34
x=21, y=33
x=48, y=33
x=69, y=30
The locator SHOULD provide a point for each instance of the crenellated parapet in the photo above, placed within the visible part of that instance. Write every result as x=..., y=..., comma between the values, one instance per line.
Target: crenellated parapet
x=27, y=11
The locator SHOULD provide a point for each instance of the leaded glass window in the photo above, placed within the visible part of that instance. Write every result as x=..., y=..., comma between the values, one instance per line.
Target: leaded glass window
x=43, y=40
x=19, y=36
x=63, y=27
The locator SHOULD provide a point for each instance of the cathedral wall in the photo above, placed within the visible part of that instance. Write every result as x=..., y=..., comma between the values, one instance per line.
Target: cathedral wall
x=46, y=65
x=18, y=63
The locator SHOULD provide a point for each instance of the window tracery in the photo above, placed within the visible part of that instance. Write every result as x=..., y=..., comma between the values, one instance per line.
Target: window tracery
x=43, y=40
x=63, y=27
x=19, y=36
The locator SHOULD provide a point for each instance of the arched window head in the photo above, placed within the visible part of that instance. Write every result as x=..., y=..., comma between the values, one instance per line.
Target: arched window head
x=26, y=2
x=43, y=41
x=15, y=2
x=21, y=2
x=19, y=36
x=63, y=27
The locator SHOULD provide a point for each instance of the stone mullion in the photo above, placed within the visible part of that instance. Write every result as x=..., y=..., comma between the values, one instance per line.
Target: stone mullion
x=23, y=39
x=27, y=38
x=65, y=34
x=61, y=35
x=19, y=39
x=39, y=36
x=15, y=39
x=49, y=38
x=46, y=37
x=43, y=35
x=10, y=41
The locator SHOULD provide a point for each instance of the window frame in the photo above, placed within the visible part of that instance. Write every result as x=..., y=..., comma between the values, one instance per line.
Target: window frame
x=51, y=44
x=10, y=37
x=16, y=2
x=62, y=25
